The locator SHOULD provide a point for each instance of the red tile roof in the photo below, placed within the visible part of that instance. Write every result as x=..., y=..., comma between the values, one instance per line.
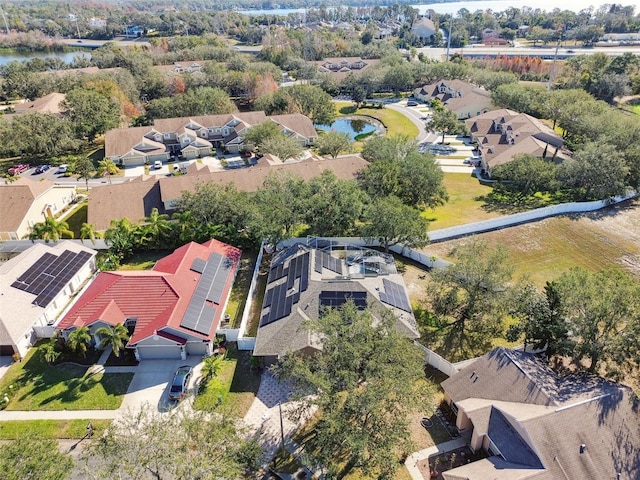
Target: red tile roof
x=158, y=298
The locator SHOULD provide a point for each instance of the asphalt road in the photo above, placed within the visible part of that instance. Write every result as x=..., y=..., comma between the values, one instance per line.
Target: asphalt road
x=59, y=178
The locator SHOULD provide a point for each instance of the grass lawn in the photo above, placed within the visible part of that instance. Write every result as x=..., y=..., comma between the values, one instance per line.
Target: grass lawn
x=35, y=385
x=466, y=203
x=13, y=429
x=240, y=290
x=76, y=219
x=395, y=122
x=235, y=383
x=144, y=260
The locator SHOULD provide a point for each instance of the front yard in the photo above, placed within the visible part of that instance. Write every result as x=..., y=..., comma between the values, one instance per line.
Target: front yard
x=33, y=384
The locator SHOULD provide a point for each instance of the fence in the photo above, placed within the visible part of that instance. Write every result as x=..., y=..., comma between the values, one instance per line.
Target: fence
x=438, y=362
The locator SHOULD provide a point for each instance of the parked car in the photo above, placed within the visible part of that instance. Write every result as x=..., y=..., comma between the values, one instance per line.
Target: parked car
x=157, y=164
x=180, y=383
x=63, y=168
x=42, y=168
x=17, y=169
x=412, y=103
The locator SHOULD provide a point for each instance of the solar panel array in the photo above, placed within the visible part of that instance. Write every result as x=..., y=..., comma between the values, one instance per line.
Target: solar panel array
x=200, y=313
x=335, y=299
x=50, y=274
x=276, y=299
x=395, y=295
x=325, y=260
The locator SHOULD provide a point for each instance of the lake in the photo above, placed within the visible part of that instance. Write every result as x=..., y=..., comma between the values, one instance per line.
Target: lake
x=495, y=5
x=353, y=127
x=66, y=57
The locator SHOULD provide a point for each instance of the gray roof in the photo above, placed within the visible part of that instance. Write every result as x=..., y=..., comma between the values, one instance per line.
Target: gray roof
x=288, y=334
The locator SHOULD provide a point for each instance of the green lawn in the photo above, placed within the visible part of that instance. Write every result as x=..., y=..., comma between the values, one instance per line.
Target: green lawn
x=75, y=429
x=466, y=203
x=35, y=385
x=236, y=384
x=395, y=122
x=240, y=290
x=76, y=219
x=144, y=260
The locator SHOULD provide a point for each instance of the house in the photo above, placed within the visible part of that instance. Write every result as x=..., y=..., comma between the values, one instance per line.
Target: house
x=172, y=311
x=35, y=286
x=96, y=22
x=463, y=98
x=424, y=28
x=535, y=424
x=47, y=104
x=24, y=202
x=133, y=31
x=305, y=279
x=502, y=134
x=196, y=136
x=134, y=199
x=341, y=67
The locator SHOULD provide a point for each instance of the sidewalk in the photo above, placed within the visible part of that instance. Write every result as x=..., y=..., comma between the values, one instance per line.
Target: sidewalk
x=412, y=460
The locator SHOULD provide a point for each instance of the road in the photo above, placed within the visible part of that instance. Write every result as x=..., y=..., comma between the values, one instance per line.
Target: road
x=59, y=178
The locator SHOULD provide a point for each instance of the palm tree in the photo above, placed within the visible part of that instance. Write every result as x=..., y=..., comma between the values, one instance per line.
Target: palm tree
x=88, y=230
x=79, y=340
x=156, y=229
x=50, y=352
x=108, y=167
x=50, y=229
x=116, y=336
x=122, y=238
x=211, y=366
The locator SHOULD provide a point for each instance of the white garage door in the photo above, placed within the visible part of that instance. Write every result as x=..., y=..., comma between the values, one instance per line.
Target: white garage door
x=196, y=348
x=160, y=351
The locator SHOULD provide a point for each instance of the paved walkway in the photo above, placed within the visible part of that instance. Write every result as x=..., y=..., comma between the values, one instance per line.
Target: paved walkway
x=412, y=460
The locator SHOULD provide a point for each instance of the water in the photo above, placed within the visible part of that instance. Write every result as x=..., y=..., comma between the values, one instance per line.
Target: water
x=353, y=127
x=66, y=57
x=494, y=5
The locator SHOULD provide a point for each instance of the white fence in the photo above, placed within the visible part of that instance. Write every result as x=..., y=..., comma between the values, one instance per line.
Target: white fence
x=438, y=362
x=524, y=217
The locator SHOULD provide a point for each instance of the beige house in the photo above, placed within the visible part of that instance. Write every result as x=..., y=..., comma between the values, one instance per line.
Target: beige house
x=35, y=288
x=502, y=134
x=424, y=28
x=47, y=104
x=463, y=98
x=24, y=202
x=197, y=136
x=341, y=67
x=534, y=424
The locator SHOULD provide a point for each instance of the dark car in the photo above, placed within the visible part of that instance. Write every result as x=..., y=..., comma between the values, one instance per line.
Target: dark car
x=42, y=168
x=180, y=383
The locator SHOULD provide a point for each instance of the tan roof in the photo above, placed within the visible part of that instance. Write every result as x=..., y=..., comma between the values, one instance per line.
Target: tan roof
x=16, y=199
x=47, y=104
x=119, y=141
x=296, y=122
x=250, y=179
x=133, y=200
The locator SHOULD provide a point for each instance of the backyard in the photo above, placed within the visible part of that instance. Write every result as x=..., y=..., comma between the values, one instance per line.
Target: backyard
x=33, y=384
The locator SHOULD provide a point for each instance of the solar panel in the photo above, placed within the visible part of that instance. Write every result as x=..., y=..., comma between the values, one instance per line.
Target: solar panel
x=332, y=263
x=318, y=261
x=198, y=265
x=394, y=294
x=60, y=263
x=58, y=274
x=335, y=299
x=34, y=271
x=218, y=268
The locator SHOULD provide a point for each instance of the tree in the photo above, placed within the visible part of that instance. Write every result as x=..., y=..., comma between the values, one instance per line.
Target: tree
x=50, y=351
x=365, y=381
x=211, y=367
x=79, y=341
x=281, y=146
x=156, y=230
x=50, y=229
x=122, y=238
x=38, y=134
x=88, y=230
x=334, y=205
x=308, y=100
x=91, y=113
x=395, y=147
x=30, y=458
x=84, y=168
x=333, y=143
x=390, y=222
x=257, y=134
x=197, y=101
x=107, y=167
x=116, y=337
x=421, y=181
x=181, y=444
x=467, y=300
x=527, y=175
x=601, y=311
x=446, y=121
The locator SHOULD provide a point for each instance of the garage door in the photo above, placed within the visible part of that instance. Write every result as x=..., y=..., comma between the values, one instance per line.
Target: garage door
x=6, y=350
x=160, y=351
x=196, y=348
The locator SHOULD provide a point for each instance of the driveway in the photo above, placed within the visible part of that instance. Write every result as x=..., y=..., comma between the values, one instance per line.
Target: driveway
x=5, y=363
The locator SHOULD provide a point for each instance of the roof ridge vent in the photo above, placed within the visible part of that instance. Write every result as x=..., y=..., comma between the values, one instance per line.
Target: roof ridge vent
x=582, y=402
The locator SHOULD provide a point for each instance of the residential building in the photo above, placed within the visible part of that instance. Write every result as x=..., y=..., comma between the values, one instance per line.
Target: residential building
x=95, y=22
x=172, y=310
x=502, y=134
x=535, y=424
x=424, y=28
x=24, y=202
x=133, y=31
x=47, y=104
x=341, y=67
x=305, y=279
x=465, y=99
x=196, y=136
x=35, y=287
x=136, y=198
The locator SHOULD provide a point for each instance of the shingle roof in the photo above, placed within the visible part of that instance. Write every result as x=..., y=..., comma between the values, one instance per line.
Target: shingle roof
x=158, y=298
x=47, y=104
x=16, y=199
x=296, y=122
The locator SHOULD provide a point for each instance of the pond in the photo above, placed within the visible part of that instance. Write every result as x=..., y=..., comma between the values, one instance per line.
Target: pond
x=353, y=126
